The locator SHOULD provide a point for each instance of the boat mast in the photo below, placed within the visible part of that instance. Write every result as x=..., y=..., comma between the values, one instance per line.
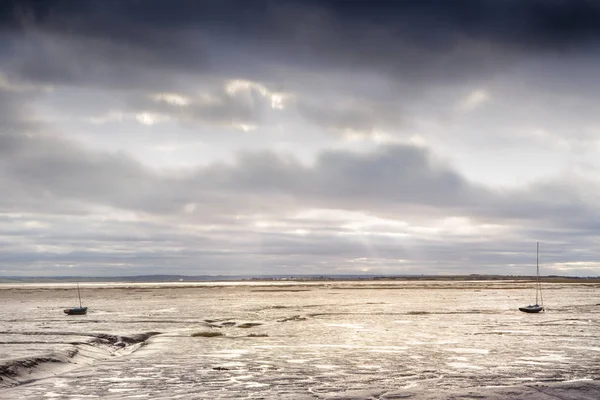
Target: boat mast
x=537, y=273
x=79, y=295
x=539, y=285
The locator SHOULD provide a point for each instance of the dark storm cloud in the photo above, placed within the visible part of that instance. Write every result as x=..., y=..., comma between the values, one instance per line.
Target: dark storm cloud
x=106, y=40
x=537, y=22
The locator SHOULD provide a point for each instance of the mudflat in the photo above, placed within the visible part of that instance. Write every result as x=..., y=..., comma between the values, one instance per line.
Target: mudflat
x=295, y=340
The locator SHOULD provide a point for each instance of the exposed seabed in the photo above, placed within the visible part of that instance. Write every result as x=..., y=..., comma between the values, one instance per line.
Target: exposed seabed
x=341, y=340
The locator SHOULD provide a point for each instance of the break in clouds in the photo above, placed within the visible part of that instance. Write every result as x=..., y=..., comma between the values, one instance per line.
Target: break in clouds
x=299, y=137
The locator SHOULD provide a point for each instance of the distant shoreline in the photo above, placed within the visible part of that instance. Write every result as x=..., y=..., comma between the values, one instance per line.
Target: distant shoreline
x=293, y=278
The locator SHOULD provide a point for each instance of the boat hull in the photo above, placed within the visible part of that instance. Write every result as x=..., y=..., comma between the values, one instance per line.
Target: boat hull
x=76, y=311
x=532, y=309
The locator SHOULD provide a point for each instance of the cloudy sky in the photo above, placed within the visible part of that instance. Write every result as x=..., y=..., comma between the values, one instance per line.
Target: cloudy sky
x=299, y=137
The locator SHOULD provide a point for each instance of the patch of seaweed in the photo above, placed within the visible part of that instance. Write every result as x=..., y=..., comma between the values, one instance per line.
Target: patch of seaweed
x=246, y=325
x=206, y=334
x=210, y=321
x=293, y=318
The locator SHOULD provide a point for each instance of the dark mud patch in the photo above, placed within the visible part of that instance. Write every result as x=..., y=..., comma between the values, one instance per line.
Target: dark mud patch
x=318, y=305
x=221, y=324
x=292, y=318
x=212, y=321
x=158, y=321
x=247, y=325
x=207, y=334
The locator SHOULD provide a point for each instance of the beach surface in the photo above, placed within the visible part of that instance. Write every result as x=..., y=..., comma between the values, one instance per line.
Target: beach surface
x=300, y=340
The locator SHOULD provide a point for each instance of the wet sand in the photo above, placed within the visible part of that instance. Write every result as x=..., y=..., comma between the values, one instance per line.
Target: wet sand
x=361, y=340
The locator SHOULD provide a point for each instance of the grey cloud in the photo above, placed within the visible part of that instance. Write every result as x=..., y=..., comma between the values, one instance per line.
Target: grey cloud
x=361, y=117
x=44, y=165
x=41, y=171
x=48, y=165
x=402, y=174
x=560, y=203
x=387, y=183
x=62, y=59
x=392, y=177
x=41, y=168
x=102, y=41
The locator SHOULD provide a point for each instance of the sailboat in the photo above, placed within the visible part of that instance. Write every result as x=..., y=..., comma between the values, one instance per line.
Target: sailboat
x=77, y=310
x=539, y=302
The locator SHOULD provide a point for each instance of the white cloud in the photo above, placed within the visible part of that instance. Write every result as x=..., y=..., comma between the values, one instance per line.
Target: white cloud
x=475, y=99
x=244, y=127
x=148, y=118
x=237, y=87
x=172, y=98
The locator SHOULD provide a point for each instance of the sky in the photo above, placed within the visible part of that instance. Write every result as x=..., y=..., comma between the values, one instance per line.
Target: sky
x=299, y=137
